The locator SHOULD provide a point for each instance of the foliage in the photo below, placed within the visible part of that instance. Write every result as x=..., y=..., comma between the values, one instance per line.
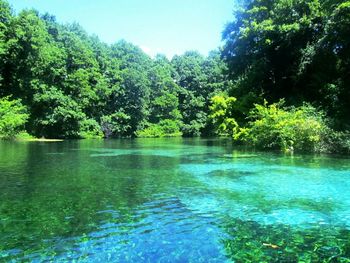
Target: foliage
x=165, y=128
x=13, y=116
x=116, y=125
x=58, y=115
x=335, y=142
x=277, y=127
x=222, y=115
x=75, y=86
x=90, y=129
x=24, y=136
x=278, y=49
x=199, y=79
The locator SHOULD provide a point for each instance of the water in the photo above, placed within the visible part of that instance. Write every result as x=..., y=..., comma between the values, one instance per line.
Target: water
x=170, y=200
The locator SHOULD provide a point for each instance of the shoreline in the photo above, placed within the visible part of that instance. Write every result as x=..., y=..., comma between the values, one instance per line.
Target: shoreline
x=39, y=140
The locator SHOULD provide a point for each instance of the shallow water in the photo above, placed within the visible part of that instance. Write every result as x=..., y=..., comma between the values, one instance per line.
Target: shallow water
x=170, y=200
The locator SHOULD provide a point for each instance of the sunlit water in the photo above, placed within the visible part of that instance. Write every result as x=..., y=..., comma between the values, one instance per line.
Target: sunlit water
x=170, y=200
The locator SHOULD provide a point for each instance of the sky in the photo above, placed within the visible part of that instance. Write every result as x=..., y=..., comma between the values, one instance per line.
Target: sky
x=157, y=26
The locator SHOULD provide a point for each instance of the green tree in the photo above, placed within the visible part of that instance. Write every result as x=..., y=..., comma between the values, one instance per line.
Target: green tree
x=58, y=115
x=222, y=114
x=5, y=20
x=13, y=116
x=277, y=49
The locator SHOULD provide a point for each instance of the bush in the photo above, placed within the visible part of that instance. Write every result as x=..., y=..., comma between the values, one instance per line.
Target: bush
x=13, y=116
x=165, y=128
x=115, y=125
x=335, y=142
x=222, y=110
x=90, y=129
x=24, y=136
x=192, y=129
x=277, y=127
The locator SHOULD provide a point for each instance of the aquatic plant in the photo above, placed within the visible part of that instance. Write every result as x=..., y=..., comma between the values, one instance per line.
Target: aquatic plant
x=254, y=242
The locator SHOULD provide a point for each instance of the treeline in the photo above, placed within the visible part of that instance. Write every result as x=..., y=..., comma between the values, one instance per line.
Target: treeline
x=295, y=54
x=75, y=86
x=297, y=50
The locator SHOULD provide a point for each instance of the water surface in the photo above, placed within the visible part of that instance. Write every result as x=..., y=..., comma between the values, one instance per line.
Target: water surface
x=170, y=200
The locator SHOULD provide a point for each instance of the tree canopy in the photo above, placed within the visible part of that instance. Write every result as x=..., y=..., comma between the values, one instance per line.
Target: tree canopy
x=293, y=49
x=72, y=85
x=75, y=86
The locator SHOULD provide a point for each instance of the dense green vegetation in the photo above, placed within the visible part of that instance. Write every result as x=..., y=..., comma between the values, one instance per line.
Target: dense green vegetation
x=272, y=126
x=295, y=128
x=293, y=49
x=13, y=116
x=75, y=86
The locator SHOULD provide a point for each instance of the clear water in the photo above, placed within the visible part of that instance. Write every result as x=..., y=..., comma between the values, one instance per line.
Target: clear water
x=170, y=200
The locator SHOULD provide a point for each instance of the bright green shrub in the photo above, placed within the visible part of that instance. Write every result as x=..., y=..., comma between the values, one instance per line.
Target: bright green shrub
x=90, y=129
x=24, y=136
x=153, y=131
x=221, y=115
x=165, y=128
x=13, y=116
x=277, y=127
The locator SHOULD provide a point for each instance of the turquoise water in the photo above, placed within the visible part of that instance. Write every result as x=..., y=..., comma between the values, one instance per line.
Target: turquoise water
x=170, y=200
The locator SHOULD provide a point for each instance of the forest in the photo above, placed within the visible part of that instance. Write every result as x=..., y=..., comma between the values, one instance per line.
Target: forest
x=281, y=80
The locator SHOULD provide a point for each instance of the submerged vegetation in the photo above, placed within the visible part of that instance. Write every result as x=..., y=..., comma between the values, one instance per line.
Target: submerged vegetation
x=64, y=83
x=171, y=200
x=283, y=243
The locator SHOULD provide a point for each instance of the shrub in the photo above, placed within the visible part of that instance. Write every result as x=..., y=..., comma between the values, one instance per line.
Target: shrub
x=277, y=127
x=115, y=125
x=165, y=128
x=24, y=136
x=90, y=129
x=335, y=142
x=222, y=115
x=13, y=116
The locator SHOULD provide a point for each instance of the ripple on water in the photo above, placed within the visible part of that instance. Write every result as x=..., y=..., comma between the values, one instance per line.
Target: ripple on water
x=163, y=230
x=161, y=201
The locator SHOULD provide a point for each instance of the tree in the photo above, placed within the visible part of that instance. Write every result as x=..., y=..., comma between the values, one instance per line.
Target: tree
x=222, y=115
x=5, y=20
x=277, y=49
x=13, y=116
